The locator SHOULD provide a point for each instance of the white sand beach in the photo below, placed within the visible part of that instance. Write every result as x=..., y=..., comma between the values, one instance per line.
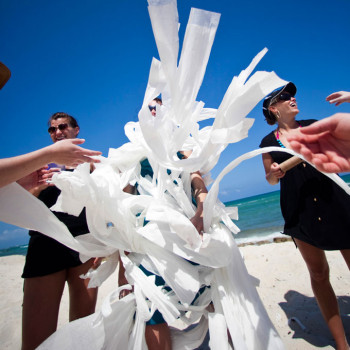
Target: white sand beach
x=283, y=286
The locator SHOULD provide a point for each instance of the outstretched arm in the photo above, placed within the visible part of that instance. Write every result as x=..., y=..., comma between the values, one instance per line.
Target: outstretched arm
x=326, y=143
x=63, y=152
x=339, y=97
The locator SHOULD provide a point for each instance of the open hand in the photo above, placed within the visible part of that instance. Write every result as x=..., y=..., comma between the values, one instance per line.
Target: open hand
x=68, y=152
x=326, y=143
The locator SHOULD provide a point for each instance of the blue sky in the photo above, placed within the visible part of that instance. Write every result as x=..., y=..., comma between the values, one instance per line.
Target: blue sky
x=91, y=59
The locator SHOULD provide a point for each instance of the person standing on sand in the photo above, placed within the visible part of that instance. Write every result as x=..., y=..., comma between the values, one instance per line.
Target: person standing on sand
x=49, y=264
x=315, y=209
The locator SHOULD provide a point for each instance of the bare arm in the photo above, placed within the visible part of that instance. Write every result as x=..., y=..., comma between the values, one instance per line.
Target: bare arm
x=63, y=152
x=200, y=193
x=272, y=170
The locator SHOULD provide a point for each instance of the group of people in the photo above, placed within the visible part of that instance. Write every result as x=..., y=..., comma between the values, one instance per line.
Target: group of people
x=314, y=209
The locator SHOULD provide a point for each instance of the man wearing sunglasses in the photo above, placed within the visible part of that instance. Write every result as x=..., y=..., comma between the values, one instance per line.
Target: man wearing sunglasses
x=63, y=126
x=68, y=152
x=49, y=264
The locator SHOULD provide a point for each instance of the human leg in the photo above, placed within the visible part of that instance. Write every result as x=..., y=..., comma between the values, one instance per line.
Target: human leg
x=317, y=265
x=82, y=300
x=41, y=302
x=158, y=337
x=346, y=256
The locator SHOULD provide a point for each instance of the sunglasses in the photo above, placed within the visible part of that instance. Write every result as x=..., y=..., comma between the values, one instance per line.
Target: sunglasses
x=60, y=127
x=284, y=96
x=151, y=108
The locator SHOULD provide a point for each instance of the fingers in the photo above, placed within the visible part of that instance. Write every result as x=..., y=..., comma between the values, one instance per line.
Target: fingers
x=311, y=152
x=92, y=153
x=275, y=166
x=302, y=146
x=305, y=139
x=53, y=170
x=92, y=160
x=339, y=97
x=328, y=167
x=319, y=127
x=331, y=98
x=296, y=145
x=77, y=159
x=86, y=159
x=337, y=101
x=277, y=171
x=89, y=152
x=77, y=141
x=45, y=175
x=280, y=173
x=97, y=262
x=305, y=152
x=85, y=156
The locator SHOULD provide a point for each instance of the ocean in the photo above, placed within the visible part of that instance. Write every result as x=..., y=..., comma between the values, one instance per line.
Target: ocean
x=17, y=250
x=260, y=219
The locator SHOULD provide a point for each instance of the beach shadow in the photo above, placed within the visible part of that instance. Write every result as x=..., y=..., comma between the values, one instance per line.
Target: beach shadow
x=306, y=321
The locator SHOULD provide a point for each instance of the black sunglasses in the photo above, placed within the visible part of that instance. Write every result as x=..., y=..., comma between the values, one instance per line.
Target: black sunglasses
x=60, y=127
x=151, y=108
x=284, y=96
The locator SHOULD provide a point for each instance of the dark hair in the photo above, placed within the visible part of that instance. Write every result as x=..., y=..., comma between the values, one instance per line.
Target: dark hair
x=270, y=118
x=71, y=120
x=158, y=100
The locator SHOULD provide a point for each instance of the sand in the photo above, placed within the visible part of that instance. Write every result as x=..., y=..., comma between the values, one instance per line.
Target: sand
x=283, y=286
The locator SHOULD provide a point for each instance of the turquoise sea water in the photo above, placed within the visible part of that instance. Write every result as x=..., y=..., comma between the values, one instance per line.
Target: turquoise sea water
x=260, y=216
x=259, y=219
x=17, y=250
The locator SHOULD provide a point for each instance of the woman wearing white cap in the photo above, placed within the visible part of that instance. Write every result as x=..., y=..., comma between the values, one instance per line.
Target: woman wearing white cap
x=314, y=208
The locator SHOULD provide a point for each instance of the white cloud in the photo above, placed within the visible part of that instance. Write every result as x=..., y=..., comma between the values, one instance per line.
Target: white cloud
x=9, y=235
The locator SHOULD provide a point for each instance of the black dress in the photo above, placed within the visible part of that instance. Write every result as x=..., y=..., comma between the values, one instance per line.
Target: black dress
x=45, y=255
x=315, y=209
